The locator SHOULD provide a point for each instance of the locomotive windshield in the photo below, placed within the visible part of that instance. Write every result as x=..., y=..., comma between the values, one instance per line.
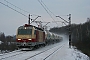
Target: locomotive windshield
x=24, y=31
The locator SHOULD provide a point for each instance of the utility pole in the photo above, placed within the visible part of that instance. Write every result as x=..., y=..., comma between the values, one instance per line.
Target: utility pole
x=69, y=23
x=29, y=19
x=69, y=31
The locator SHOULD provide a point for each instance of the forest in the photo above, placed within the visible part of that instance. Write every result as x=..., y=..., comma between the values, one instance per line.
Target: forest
x=80, y=35
x=7, y=43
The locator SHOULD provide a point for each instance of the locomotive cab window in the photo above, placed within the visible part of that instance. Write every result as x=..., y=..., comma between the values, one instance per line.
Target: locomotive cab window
x=35, y=32
x=24, y=31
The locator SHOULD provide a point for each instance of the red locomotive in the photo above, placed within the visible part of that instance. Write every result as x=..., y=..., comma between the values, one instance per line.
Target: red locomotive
x=29, y=36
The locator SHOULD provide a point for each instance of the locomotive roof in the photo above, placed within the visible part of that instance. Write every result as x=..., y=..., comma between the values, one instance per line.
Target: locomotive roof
x=30, y=27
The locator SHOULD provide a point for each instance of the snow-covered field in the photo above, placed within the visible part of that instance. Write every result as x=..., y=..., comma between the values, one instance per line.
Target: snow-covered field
x=58, y=51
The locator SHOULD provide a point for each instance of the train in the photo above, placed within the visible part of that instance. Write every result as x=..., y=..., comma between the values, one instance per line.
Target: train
x=29, y=36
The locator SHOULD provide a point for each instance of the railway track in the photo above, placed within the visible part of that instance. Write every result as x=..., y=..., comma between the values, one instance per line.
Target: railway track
x=43, y=52
x=30, y=55
x=12, y=54
x=53, y=52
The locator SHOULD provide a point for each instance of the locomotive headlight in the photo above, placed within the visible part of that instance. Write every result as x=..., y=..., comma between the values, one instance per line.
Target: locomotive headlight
x=29, y=39
x=19, y=39
x=25, y=28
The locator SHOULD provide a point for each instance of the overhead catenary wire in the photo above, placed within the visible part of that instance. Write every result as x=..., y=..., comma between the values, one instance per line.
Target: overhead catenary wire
x=52, y=12
x=13, y=9
x=27, y=11
x=46, y=10
x=19, y=8
x=15, y=6
x=49, y=10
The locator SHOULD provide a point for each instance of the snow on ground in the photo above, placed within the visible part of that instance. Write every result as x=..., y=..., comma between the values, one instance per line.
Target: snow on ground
x=67, y=53
x=63, y=53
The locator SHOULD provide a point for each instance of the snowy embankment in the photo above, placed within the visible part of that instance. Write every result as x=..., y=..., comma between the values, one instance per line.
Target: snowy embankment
x=63, y=53
x=66, y=53
x=57, y=51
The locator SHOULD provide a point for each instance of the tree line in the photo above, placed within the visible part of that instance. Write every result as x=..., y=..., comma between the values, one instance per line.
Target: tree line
x=80, y=35
x=8, y=43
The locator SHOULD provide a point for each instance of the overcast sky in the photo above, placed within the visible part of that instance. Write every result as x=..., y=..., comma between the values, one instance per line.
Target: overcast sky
x=11, y=20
